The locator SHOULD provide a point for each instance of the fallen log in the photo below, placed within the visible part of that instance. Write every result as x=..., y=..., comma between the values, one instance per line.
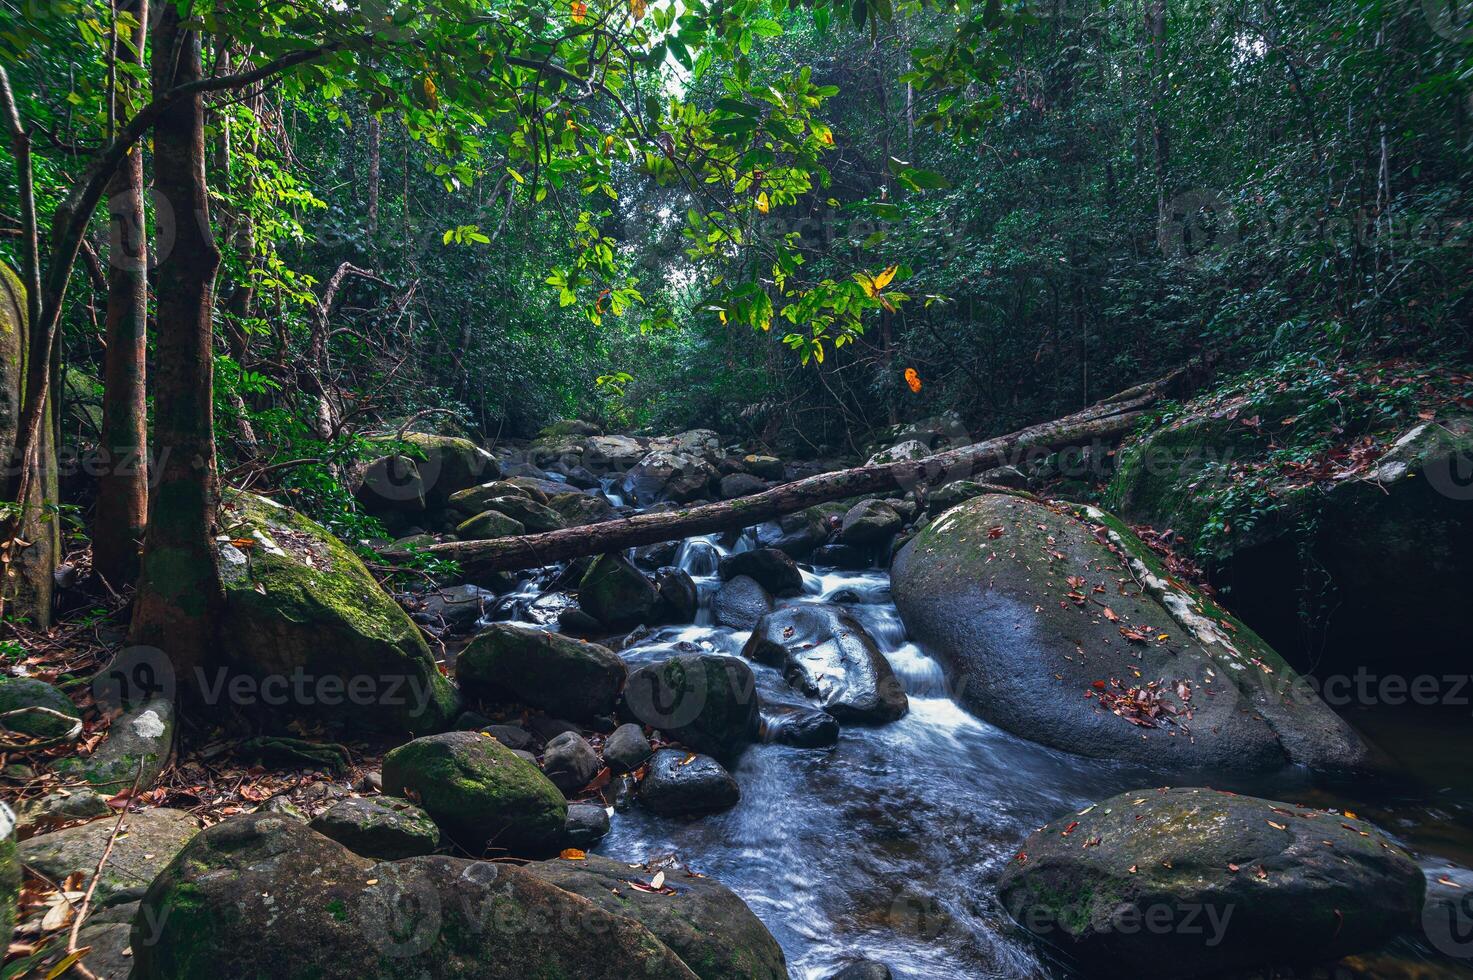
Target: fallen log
x=1109, y=419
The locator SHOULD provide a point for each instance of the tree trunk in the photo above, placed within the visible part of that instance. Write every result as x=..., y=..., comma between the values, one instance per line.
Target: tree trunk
x=374, y=160
x=122, y=488
x=180, y=593
x=1107, y=420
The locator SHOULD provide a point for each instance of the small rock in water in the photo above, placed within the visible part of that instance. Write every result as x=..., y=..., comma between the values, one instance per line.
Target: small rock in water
x=801, y=727
x=864, y=970
x=679, y=600
x=771, y=568
x=588, y=823
x=740, y=603
x=706, y=701
x=680, y=783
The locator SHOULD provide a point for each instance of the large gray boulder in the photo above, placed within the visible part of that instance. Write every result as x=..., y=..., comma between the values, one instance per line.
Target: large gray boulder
x=381, y=827
x=702, y=920
x=147, y=843
x=824, y=652
x=480, y=792
x=569, y=678
x=1197, y=882
x=705, y=701
x=616, y=593
x=740, y=603
x=1062, y=628
x=303, y=614
x=136, y=749
x=672, y=476
x=604, y=454
x=329, y=914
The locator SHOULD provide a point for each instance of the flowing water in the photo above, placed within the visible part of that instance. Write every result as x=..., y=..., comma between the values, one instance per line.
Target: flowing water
x=888, y=846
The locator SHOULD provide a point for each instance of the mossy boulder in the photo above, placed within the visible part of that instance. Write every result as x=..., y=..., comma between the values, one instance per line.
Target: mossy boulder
x=480, y=792
x=328, y=913
x=473, y=500
x=136, y=749
x=487, y=525
x=1197, y=882
x=392, y=485
x=301, y=606
x=704, y=701
x=1329, y=522
x=712, y=930
x=566, y=677
x=869, y=522
x=147, y=843
x=450, y=464
x=616, y=593
x=536, y=518
x=577, y=509
x=10, y=874
x=382, y=827
x=21, y=694
x=1062, y=628
x=771, y=568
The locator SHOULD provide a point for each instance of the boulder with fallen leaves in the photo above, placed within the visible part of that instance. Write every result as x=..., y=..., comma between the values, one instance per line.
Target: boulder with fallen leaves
x=1191, y=882
x=1061, y=626
x=264, y=895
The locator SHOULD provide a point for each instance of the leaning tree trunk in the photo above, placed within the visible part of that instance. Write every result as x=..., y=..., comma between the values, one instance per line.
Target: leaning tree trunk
x=180, y=594
x=122, y=488
x=1108, y=420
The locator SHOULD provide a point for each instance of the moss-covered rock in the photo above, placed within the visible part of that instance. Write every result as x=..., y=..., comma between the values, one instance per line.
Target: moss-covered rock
x=392, y=485
x=577, y=509
x=148, y=842
x=711, y=929
x=566, y=677
x=616, y=593
x=450, y=464
x=136, y=749
x=21, y=694
x=1195, y=882
x=328, y=913
x=704, y=701
x=10, y=876
x=536, y=518
x=301, y=605
x=380, y=827
x=487, y=525
x=1064, y=629
x=479, y=792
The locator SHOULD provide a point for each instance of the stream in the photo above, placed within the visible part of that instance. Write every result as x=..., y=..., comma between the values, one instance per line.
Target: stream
x=888, y=845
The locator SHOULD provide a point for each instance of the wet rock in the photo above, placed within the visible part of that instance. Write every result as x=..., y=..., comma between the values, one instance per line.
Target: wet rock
x=570, y=762
x=842, y=556
x=670, y=476
x=456, y=607
x=511, y=736
x=603, y=454
x=739, y=603
x=705, y=701
x=769, y=567
x=575, y=622
x=149, y=841
x=478, y=791
x=450, y=464
x=801, y=726
x=578, y=509
x=616, y=593
x=570, y=677
x=489, y=525
x=1197, y=882
x=869, y=522
x=379, y=827
x=627, y=749
x=588, y=823
x=702, y=443
x=1000, y=587
x=537, y=485
x=741, y=485
x=825, y=653
x=796, y=535
x=659, y=555
x=474, y=500
x=331, y=913
x=36, y=705
x=711, y=929
x=678, y=599
x=136, y=748
x=677, y=785
x=864, y=970
x=302, y=605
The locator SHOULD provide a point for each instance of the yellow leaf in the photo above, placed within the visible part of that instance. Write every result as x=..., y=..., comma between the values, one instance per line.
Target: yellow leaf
x=638, y=8
x=1277, y=826
x=887, y=277
x=67, y=962
x=580, y=11
x=763, y=204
